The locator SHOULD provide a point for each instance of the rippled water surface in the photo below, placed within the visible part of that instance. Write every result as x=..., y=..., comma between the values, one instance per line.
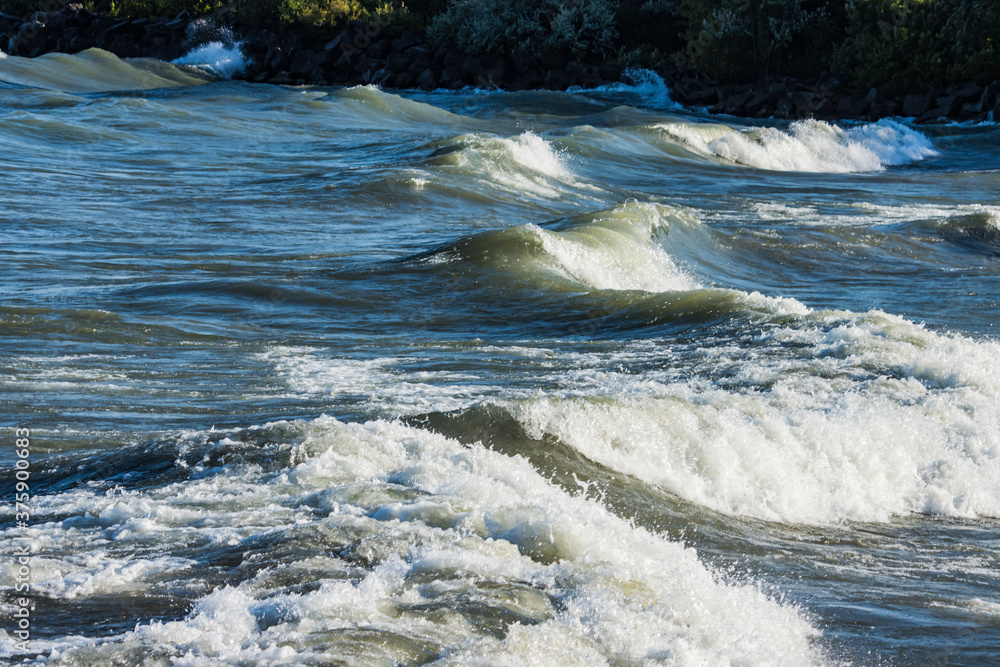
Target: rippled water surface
x=340, y=376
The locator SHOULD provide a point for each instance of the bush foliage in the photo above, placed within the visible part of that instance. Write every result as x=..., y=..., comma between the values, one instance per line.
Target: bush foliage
x=921, y=42
x=745, y=39
x=916, y=43
x=585, y=28
x=317, y=17
x=323, y=16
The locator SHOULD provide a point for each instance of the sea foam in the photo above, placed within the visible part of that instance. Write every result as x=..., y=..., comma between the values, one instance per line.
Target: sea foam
x=807, y=145
x=617, y=250
x=222, y=59
x=438, y=538
x=379, y=384
x=646, y=84
x=519, y=166
x=830, y=417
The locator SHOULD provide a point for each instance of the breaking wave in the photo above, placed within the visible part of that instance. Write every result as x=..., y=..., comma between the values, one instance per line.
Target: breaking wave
x=807, y=145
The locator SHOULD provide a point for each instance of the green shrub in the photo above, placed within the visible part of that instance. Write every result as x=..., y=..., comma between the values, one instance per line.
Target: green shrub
x=323, y=18
x=920, y=43
x=151, y=8
x=746, y=39
x=317, y=18
x=649, y=30
x=641, y=57
x=584, y=28
x=917, y=43
x=424, y=11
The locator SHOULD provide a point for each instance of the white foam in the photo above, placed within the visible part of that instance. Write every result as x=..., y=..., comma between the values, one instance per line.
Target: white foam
x=984, y=608
x=775, y=211
x=535, y=153
x=618, y=250
x=378, y=384
x=853, y=214
x=225, y=60
x=443, y=522
x=646, y=84
x=808, y=145
x=929, y=211
x=527, y=164
x=835, y=417
x=523, y=163
x=84, y=575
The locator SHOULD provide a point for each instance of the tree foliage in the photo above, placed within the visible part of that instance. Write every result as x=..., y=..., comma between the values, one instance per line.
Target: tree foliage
x=317, y=17
x=921, y=42
x=916, y=43
x=495, y=27
x=745, y=39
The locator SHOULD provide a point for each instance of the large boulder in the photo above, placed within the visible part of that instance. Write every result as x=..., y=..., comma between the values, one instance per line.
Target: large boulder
x=916, y=105
x=427, y=80
x=398, y=61
x=29, y=40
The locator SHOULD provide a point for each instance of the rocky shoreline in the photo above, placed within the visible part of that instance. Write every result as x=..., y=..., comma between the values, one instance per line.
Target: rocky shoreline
x=825, y=98
x=362, y=55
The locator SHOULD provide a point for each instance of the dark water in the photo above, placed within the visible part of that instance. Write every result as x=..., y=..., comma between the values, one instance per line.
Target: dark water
x=336, y=376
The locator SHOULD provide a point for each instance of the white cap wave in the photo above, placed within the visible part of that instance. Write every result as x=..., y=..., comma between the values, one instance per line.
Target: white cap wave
x=439, y=529
x=222, y=59
x=831, y=417
x=807, y=145
x=526, y=165
x=644, y=83
x=618, y=250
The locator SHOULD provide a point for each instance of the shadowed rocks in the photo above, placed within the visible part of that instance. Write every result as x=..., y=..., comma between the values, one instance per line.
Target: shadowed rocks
x=361, y=54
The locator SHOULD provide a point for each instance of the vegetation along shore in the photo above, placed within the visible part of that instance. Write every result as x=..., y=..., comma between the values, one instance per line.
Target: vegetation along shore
x=863, y=59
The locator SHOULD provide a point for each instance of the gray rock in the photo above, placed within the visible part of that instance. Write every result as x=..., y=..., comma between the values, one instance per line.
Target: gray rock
x=408, y=39
x=966, y=92
x=120, y=28
x=427, y=80
x=403, y=80
x=301, y=61
x=450, y=74
x=916, y=105
x=735, y=105
x=339, y=43
x=55, y=21
x=806, y=103
x=379, y=50
x=398, y=61
x=784, y=107
x=420, y=51
x=27, y=41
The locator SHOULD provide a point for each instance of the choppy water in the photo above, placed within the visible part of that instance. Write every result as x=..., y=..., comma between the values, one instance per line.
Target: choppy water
x=338, y=376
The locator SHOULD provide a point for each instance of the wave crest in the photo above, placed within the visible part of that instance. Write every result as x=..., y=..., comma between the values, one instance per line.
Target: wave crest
x=224, y=60
x=94, y=70
x=807, y=145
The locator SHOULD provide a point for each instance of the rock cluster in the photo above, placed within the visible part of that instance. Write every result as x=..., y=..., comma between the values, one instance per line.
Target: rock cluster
x=359, y=55
x=72, y=29
x=826, y=98
x=362, y=55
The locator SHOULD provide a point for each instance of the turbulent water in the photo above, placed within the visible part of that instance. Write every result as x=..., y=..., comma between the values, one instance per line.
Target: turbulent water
x=340, y=376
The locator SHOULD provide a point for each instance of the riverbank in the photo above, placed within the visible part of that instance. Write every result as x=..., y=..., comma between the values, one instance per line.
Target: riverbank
x=361, y=54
